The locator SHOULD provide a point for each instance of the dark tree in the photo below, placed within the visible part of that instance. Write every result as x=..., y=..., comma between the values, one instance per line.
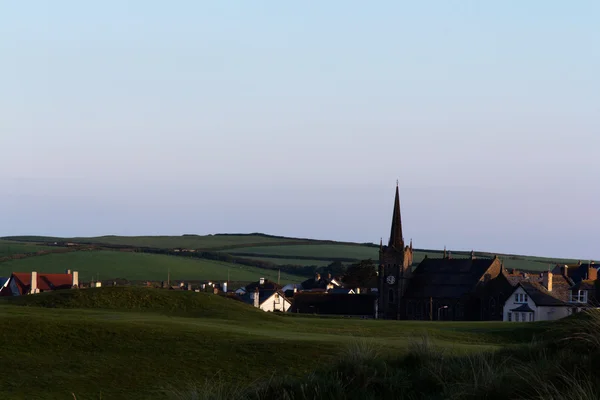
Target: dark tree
x=360, y=273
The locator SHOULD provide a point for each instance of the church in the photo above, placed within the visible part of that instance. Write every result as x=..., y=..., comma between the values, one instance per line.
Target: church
x=446, y=288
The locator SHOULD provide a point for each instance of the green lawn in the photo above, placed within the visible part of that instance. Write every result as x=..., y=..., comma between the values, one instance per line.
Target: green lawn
x=140, y=266
x=133, y=343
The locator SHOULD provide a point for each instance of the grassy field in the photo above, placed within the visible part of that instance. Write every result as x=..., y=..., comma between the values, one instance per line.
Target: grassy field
x=274, y=249
x=10, y=248
x=140, y=266
x=204, y=242
x=86, y=342
x=313, y=250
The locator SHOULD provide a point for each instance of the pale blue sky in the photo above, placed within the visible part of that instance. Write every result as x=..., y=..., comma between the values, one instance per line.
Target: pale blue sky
x=296, y=118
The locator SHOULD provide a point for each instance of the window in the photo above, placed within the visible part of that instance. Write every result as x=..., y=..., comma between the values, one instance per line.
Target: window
x=276, y=298
x=579, y=297
x=509, y=317
x=516, y=317
x=523, y=318
x=520, y=298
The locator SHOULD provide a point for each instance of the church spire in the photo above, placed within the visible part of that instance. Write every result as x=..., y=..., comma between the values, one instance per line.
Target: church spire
x=396, y=239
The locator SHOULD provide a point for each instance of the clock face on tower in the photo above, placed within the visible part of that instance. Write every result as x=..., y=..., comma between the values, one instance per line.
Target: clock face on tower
x=391, y=279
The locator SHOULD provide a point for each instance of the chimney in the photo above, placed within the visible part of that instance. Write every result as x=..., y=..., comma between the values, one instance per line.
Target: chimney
x=295, y=290
x=357, y=290
x=317, y=277
x=472, y=254
x=547, y=281
x=34, y=286
x=261, y=282
x=189, y=286
x=68, y=272
x=592, y=273
x=256, y=298
x=565, y=270
x=75, y=279
x=224, y=287
x=329, y=276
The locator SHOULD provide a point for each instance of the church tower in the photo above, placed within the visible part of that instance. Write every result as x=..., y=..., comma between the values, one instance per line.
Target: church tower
x=395, y=268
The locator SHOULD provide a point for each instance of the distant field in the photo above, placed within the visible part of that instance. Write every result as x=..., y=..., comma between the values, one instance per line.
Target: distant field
x=288, y=261
x=313, y=250
x=10, y=248
x=169, y=242
x=278, y=250
x=140, y=266
x=191, y=339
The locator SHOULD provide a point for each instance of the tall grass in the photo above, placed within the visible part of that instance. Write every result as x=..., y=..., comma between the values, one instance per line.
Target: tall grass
x=563, y=365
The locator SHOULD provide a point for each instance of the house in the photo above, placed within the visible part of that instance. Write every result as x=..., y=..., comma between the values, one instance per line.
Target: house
x=320, y=283
x=23, y=283
x=269, y=300
x=341, y=304
x=584, y=294
x=578, y=272
x=4, y=290
x=533, y=300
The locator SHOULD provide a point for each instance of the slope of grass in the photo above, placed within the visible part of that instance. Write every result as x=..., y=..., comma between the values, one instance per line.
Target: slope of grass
x=168, y=242
x=140, y=266
x=107, y=347
x=318, y=251
x=10, y=248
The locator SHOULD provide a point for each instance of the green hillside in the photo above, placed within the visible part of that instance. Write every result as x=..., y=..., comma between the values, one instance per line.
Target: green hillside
x=10, y=248
x=260, y=247
x=110, y=348
x=140, y=266
x=205, y=242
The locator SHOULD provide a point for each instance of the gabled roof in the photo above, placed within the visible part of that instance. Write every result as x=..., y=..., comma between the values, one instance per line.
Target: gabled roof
x=576, y=272
x=540, y=296
x=263, y=296
x=447, y=277
x=267, y=285
x=44, y=281
x=561, y=285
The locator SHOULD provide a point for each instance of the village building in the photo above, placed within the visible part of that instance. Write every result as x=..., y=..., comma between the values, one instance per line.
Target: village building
x=578, y=272
x=24, y=283
x=266, y=295
x=456, y=289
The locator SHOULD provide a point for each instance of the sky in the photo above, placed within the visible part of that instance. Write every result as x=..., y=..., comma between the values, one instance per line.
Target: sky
x=297, y=118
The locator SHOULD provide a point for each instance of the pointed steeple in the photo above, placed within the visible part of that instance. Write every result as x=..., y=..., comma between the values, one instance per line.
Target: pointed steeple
x=396, y=239
x=411, y=244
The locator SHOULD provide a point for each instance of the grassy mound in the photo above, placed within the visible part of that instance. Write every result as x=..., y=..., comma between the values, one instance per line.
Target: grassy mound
x=559, y=367
x=175, y=302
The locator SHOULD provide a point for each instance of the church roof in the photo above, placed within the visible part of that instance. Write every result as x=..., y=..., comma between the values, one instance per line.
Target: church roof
x=396, y=239
x=447, y=277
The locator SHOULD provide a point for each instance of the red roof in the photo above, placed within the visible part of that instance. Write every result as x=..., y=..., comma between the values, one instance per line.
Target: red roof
x=44, y=281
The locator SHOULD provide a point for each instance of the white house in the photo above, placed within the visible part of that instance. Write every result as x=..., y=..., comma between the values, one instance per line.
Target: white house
x=534, y=301
x=268, y=300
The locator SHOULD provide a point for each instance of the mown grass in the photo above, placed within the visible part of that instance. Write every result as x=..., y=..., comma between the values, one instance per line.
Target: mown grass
x=139, y=343
x=140, y=266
